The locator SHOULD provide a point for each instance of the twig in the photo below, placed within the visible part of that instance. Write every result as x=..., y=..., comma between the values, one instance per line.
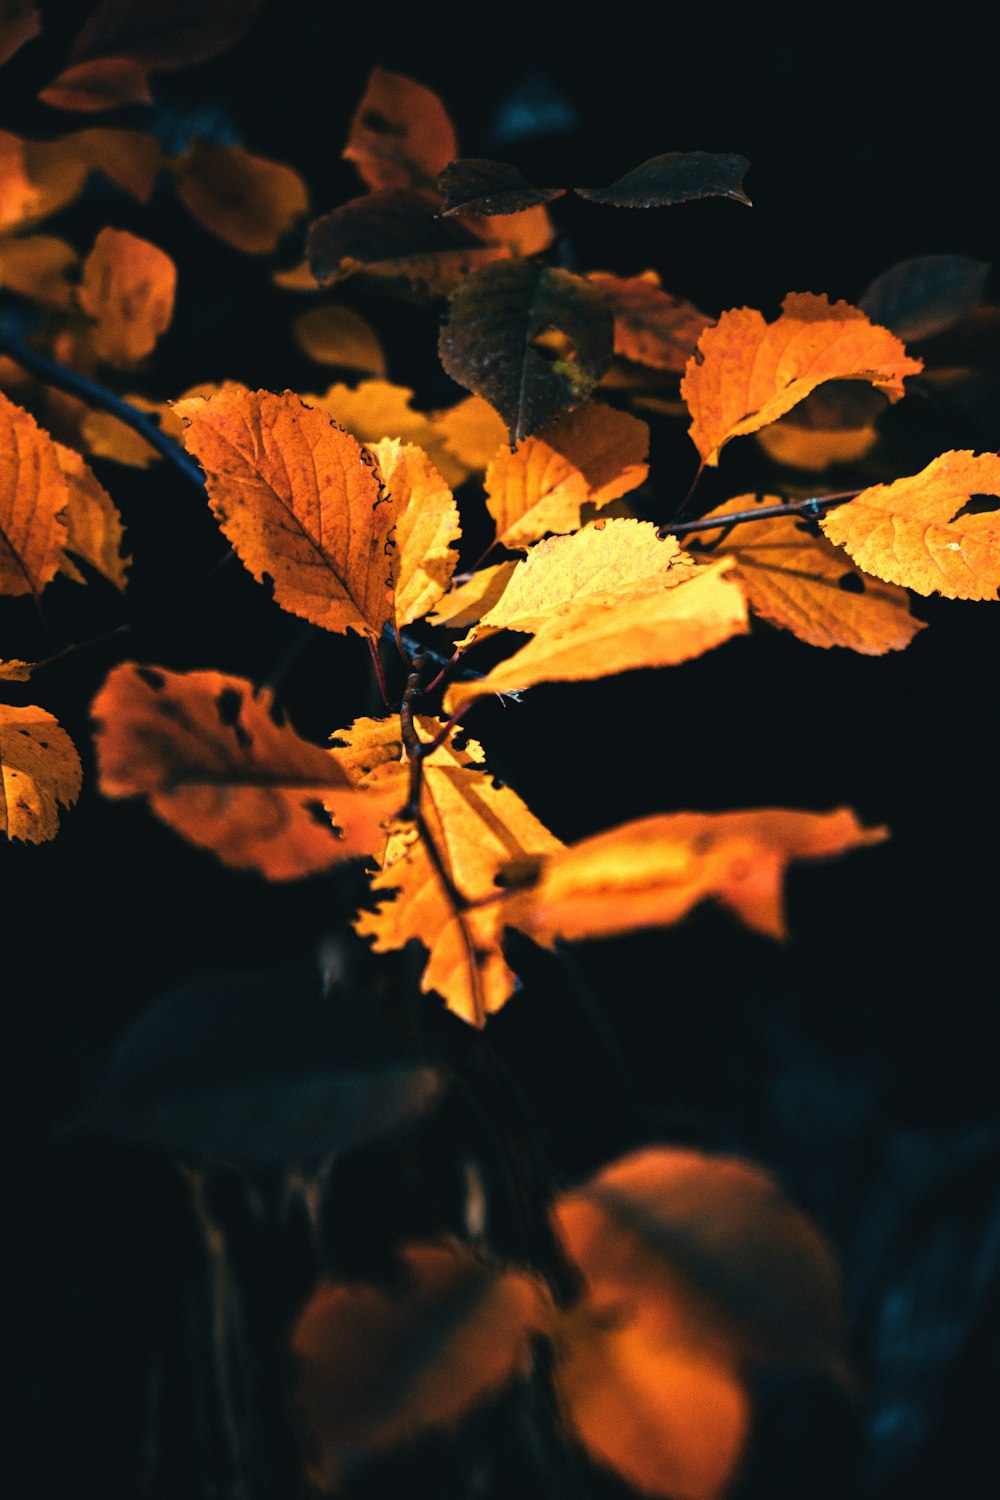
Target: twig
x=814, y=507
x=379, y=669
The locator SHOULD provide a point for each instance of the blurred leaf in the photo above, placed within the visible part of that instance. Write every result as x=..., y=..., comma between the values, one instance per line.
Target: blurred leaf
x=923, y=296
x=247, y=201
x=128, y=290
x=400, y=136
x=334, y=335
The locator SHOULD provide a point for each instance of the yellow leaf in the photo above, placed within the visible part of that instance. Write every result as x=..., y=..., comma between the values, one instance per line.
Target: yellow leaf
x=815, y=448
x=14, y=670
x=299, y=501
x=247, y=201
x=923, y=533
x=594, y=640
x=93, y=526
x=472, y=431
x=106, y=436
x=747, y=373
x=38, y=267
x=469, y=601
x=39, y=770
x=427, y=525
x=334, y=335
x=128, y=289
x=802, y=583
x=588, y=456
x=33, y=499
x=377, y=409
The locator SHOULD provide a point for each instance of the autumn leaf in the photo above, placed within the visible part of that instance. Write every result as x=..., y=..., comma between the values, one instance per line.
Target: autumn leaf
x=658, y=630
x=39, y=772
x=376, y=409
x=427, y=526
x=298, y=501
x=33, y=500
x=40, y=177
x=655, y=870
x=488, y=343
x=472, y=431
x=206, y=750
x=467, y=602
x=747, y=373
x=588, y=456
x=923, y=296
x=378, y=1367
x=802, y=583
x=334, y=335
x=15, y=670
x=247, y=201
x=932, y=532
x=651, y=327
x=93, y=526
x=128, y=290
x=39, y=266
x=97, y=84
x=19, y=23
x=526, y=233
x=19, y=195
x=400, y=136
x=473, y=185
x=675, y=177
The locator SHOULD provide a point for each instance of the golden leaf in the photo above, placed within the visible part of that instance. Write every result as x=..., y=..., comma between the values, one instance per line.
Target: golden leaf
x=128, y=289
x=38, y=267
x=334, y=335
x=427, y=525
x=377, y=409
x=14, y=670
x=33, y=500
x=245, y=200
x=472, y=431
x=93, y=526
x=39, y=770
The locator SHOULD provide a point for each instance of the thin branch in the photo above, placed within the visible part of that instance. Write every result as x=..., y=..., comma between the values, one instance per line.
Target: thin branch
x=812, y=508
x=379, y=669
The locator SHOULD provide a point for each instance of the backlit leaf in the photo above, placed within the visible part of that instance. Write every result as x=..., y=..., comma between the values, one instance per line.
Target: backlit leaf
x=205, y=749
x=19, y=23
x=378, y=1367
x=489, y=342
x=651, y=326
x=473, y=185
x=594, y=641
x=38, y=267
x=400, y=136
x=334, y=335
x=247, y=201
x=467, y=602
x=746, y=373
x=588, y=456
x=39, y=772
x=472, y=431
x=802, y=583
x=923, y=296
x=427, y=526
x=675, y=177
x=299, y=502
x=376, y=409
x=922, y=532
x=33, y=500
x=128, y=290
x=93, y=526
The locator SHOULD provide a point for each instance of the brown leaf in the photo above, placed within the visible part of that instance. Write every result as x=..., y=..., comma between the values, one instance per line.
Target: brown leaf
x=298, y=501
x=400, y=136
x=19, y=23
x=247, y=201
x=14, y=670
x=93, y=526
x=651, y=327
x=206, y=751
x=747, y=373
x=97, y=84
x=39, y=267
x=33, y=500
x=427, y=526
x=473, y=185
x=588, y=456
x=802, y=583
x=128, y=289
x=334, y=335
x=377, y=1368
x=39, y=770
x=675, y=177
x=926, y=532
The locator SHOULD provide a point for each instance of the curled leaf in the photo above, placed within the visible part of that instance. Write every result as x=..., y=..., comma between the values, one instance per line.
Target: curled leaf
x=39, y=772
x=427, y=526
x=675, y=177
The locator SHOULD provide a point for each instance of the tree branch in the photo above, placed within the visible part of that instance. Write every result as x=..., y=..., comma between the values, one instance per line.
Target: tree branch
x=812, y=508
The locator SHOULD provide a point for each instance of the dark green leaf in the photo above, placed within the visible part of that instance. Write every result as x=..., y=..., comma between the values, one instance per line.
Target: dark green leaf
x=925, y=295
x=473, y=185
x=675, y=177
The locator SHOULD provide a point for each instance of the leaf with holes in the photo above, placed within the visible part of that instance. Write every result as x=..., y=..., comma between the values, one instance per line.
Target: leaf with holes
x=39, y=770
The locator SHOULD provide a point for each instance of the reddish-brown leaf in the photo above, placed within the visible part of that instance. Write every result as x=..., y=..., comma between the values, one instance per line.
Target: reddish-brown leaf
x=651, y=326
x=19, y=23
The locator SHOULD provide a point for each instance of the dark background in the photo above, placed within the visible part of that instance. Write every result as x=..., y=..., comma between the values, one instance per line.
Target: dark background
x=858, y=1062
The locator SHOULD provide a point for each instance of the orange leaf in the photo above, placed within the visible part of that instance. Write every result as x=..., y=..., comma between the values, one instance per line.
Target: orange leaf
x=651, y=327
x=801, y=583
x=93, y=526
x=19, y=195
x=400, y=135
x=15, y=670
x=298, y=500
x=38, y=267
x=377, y=409
x=659, y=630
x=472, y=431
x=379, y=1367
x=19, y=23
x=247, y=201
x=588, y=456
x=39, y=769
x=33, y=499
x=467, y=602
x=669, y=1420
x=427, y=525
x=816, y=448
x=205, y=749
x=128, y=289
x=39, y=177
x=930, y=532
x=747, y=373
x=334, y=335
x=655, y=870
x=99, y=83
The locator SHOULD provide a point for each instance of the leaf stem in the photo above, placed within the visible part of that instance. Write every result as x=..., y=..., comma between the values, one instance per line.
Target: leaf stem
x=814, y=507
x=379, y=669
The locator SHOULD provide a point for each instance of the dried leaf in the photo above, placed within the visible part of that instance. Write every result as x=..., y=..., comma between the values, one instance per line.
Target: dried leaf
x=923, y=532
x=675, y=177
x=473, y=185
x=590, y=456
x=93, y=526
x=334, y=335
x=747, y=373
x=19, y=23
x=377, y=409
x=33, y=500
x=298, y=501
x=427, y=526
x=39, y=771
x=128, y=289
x=921, y=297
x=651, y=327
x=594, y=641
x=655, y=870
x=205, y=749
x=379, y=1367
x=247, y=201
x=802, y=583
x=472, y=431
x=39, y=267
x=400, y=136
x=14, y=670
